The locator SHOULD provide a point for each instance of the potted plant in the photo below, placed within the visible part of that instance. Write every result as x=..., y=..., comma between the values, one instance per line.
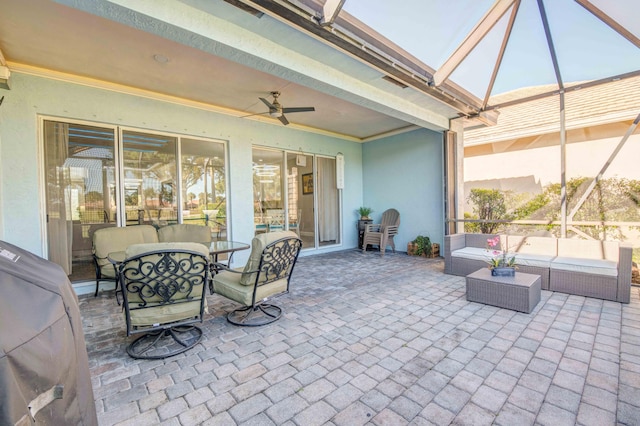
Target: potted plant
x=364, y=212
x=420, y=246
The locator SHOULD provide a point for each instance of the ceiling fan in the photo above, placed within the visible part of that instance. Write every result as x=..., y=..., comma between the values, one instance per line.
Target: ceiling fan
x=278, y=111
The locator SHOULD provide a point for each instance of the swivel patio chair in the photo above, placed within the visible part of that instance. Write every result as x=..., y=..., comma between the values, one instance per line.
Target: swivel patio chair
x=266, y=274
x=164, y=286
x=116, y=239
x=381, y=234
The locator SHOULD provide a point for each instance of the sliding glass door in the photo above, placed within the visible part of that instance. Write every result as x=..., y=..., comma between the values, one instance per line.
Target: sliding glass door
x=80, y=189
x=100, y=176
x=298, y=192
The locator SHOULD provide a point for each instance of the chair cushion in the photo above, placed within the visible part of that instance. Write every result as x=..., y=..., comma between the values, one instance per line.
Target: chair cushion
x=228, y=284
x=171, y=312
x=258, y=245
x=587, y=266
x=137, y=249
x=168, y=313
x=185, y=233
x=108, y=240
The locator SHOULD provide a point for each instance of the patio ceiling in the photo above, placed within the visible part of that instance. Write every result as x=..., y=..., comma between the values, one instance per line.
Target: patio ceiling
x=225, y=55
x=214, y=56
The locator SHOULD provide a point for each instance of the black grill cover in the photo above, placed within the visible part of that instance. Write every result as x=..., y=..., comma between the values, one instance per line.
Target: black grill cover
x=42, y=347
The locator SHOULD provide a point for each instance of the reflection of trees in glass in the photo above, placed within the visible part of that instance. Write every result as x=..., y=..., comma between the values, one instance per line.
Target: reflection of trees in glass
x=131, y=197
x=93, y=197
x=210, y=174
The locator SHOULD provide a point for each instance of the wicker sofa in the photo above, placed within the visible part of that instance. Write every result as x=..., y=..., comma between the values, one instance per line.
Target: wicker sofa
x=600, y=269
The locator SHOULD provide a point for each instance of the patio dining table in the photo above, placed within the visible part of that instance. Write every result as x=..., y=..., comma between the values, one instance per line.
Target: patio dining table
x=216, y=248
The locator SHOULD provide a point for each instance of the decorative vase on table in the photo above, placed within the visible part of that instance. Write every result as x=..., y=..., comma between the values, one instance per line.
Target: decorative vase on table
x=503, y=271
x=501, y=263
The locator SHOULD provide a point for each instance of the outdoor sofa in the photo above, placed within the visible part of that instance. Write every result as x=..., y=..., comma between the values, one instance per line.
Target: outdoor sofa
x=600, y=269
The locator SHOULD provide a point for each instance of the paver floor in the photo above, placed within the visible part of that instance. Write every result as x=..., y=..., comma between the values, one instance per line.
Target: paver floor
x=384, y=341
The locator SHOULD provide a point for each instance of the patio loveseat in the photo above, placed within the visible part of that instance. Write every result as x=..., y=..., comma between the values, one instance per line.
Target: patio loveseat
x=600, y=269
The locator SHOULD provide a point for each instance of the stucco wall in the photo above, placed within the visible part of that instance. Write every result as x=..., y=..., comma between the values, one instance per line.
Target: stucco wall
x=22, y=217
x=405, y=172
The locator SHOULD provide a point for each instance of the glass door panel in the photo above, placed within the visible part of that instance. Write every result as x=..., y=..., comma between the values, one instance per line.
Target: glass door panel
x=328, y=202
x=80, y=192
x=300, y=197
x=149, y=176
x=268, y=203
x=204, y=185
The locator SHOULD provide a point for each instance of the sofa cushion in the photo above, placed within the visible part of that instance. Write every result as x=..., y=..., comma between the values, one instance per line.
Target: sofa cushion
x=532, y=245
x=586, y=266
x=537, y=260
x=588, y=249
x=474, y=253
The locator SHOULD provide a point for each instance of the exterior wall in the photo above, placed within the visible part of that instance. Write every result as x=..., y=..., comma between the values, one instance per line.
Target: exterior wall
x=22, y=214
x=405, y=172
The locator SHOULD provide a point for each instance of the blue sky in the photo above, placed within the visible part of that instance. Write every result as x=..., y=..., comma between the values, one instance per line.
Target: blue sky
x=587, y=49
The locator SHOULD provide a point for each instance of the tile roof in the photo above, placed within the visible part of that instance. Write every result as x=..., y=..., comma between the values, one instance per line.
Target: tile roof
x=605, y=103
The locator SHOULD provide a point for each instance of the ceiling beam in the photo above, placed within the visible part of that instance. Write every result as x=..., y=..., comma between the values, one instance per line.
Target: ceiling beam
x=552, y=49
x=555, y=92
x=610, y=22
x=482, y=28
x=330, y=11
x=503, y=47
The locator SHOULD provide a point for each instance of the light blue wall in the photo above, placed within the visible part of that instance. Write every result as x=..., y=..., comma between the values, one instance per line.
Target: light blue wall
x=405, y=172
x=21, y=207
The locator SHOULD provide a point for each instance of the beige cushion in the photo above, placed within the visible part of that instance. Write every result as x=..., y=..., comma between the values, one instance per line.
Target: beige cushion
x=227, y=284
x=538, y=260
x=532, y=245
x=474, y=253
x=257, y=247
x=166, y=313
x=588, y=249
x=586, y=266
x=136, y=249
x=108, y=240
x=185, y=233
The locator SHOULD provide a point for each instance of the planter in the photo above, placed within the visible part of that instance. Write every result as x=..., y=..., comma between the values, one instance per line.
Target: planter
x=435, y=250
x=503, y=271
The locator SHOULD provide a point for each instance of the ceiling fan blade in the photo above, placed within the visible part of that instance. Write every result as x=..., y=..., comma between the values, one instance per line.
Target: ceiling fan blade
x=297, y=109
x=283, y=120
x=267, y=103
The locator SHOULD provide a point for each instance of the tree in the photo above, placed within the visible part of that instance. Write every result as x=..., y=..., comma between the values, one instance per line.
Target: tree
x=488, y=205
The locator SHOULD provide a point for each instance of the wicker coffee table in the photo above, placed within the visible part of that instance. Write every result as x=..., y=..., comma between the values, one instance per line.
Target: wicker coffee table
x=519, y=293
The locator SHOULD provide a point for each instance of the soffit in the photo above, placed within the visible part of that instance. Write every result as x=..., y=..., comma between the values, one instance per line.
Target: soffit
x=116, y=44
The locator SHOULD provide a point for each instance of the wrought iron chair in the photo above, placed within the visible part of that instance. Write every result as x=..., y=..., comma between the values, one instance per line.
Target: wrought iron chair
x=164, y=296
x=114, y=239
x=381, y=234
x=266, y=274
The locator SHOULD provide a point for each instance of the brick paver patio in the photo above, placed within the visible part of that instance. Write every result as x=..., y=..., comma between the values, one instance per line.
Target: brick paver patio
x=385, y=341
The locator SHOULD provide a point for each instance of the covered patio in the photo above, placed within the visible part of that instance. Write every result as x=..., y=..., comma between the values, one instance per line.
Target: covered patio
x=371, y=340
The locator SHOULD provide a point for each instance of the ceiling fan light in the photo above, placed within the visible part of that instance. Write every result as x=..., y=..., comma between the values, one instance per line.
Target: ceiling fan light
x=275, y=114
